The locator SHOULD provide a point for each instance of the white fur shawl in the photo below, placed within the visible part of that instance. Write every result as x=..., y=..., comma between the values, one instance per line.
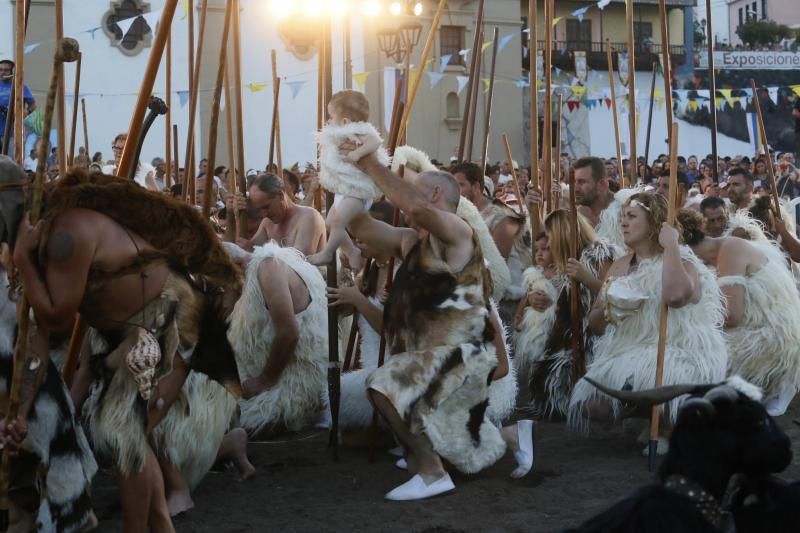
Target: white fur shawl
x=339, y=175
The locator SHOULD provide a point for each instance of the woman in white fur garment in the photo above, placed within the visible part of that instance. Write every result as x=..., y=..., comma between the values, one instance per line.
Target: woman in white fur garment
x=551, y=382
x=355, y=191
x=627, y=312
x=761, y=301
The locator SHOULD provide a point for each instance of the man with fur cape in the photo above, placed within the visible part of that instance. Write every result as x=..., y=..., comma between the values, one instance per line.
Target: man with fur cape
x=146, y=272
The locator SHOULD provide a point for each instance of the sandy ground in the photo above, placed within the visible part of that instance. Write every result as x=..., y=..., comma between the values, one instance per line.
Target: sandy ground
x=299, y=487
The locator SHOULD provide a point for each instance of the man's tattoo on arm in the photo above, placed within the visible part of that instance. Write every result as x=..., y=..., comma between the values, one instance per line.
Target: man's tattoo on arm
x=60, y=246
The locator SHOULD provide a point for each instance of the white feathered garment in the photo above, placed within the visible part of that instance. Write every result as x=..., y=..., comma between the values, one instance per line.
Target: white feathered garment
x=536, y=325
x=765, y=347
x=339, y=175
x=626, y=354
x=610, y=226
x=297, y=396
x=742, y=219
x=503, y=392
x=498, y=269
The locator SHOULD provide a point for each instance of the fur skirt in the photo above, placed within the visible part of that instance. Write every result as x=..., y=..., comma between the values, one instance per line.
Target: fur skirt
x=531, y=339
x=338, y=175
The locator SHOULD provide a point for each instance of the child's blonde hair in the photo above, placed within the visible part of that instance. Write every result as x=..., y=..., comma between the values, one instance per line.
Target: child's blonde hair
x=351, y=105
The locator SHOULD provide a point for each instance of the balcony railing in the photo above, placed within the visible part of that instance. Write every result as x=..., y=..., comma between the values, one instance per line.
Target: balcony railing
x=596, y=57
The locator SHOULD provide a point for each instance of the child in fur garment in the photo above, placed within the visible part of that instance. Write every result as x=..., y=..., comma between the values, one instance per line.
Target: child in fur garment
x=355, y=191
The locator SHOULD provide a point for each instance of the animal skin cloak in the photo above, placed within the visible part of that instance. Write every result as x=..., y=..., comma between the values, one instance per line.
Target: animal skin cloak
x=298, y=395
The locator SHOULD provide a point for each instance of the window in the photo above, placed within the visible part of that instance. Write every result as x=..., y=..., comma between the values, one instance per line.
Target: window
x=579, y=34
x=643, y=35
x=452, y=105
x=452, y=42
x=138, y=35
x=754, y=9
x=741, y=19
x=763, y=9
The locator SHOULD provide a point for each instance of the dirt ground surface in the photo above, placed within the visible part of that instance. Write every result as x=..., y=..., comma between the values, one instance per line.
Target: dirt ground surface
x=299, y=488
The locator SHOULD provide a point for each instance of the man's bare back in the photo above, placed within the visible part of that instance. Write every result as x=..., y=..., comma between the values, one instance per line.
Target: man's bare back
x=303, y=229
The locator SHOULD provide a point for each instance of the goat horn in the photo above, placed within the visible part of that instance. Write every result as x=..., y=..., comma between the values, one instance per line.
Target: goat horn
x=723, y=392
x=648, y=397
x=704, y=405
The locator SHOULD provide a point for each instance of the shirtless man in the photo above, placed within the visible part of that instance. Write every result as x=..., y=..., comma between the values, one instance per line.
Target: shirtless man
x=715, y=216
x=740, y=189
x=117, y=280
x=591, y=188
x=284, y=221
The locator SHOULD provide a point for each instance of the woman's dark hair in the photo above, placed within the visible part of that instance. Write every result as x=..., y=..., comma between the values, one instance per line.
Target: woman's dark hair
x=691, y=227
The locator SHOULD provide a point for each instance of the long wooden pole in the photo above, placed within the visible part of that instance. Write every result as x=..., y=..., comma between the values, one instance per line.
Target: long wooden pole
x=557, y=156
x=666, y=64
x=61, y=110
x=192, y=47
x=230, y=218
x=514, y=178
x=74, y=127
x=662, y=325
x=776, y=209
x=423, y=62
x=189, y=170
x=631, y=85
x=168, y=122
x=395, y=123
x=85, y=127
x=277, y=111
x=614, y=108
x=649, y=120
x=19, y=86
x=473, y=114
x=547, y=147
x=213, y=126
x=712, y=77
x=241, y=216
x=473, y=68
x=146, y=89
x=533, y=58
x=487, y=124
x=66, y=51
x=175, y=152
x=578, y=368
x=274, y=127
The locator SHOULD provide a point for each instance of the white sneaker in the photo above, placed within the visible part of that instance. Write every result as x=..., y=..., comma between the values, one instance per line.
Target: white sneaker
x=401, y=464
x=416, y=489
x=525, y=455
x=661, y=449
x=777, y=405
x=397, y=451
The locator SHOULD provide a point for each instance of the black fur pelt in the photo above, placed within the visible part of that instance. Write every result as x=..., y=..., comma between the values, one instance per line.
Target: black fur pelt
x=767, y=505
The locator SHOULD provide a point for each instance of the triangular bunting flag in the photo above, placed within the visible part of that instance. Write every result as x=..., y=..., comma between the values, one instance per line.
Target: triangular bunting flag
x=603, y=3
x=796, y=89
x=92, y=31
x=486, y=83
x=486, y=45
x=704, y=93
x=31, y=47
x=256, y=87
x=125, y=25
x=773, y=94
x=296, y=86
x=726, y=94
x=557, y=20
x=504, y=41
x=444, y=61
x=434, y=78
x=361, y=80
x=462, y=82
x=463, y=53
x=578, y=91
x=184, y=97
x=580, y=13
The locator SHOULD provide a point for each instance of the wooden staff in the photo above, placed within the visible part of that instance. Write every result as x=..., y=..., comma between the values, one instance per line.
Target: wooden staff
x=188, y=167
x=175, y=153
x=214, y=123
x=614, y=109
x=168, y=123
x=321, y=114
x=776, y=210
x=19, y=86
x=66, y=52
x=547, y=147
x=191, y=65
x=397, y=106
x=649, y=120
x=85, y=127
x=274, y=128
x=672, y=209
x=75, y=110
x=631, y=84
x=473, y=114
x=557, y=157
x=426, y=52
x=487, y=123
x=473, y=72
x=61, y=111
x=230, y=218
x=533, y=55
x=712, y=77
x=514, y=178
x=241, y=179
x=667, y=64
x=277, y=112
x=578, y=368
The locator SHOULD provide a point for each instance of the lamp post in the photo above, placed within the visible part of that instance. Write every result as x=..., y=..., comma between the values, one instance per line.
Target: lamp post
x=398, y=45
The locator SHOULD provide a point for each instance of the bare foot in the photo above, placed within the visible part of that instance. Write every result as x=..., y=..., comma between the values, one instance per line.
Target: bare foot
x=354, y=259
x=178, y=502
x=252, y=387
x=235, y=445
x=320, y=259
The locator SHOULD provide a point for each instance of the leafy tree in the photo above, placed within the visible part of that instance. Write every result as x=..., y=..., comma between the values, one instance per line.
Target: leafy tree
x=763, y=32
